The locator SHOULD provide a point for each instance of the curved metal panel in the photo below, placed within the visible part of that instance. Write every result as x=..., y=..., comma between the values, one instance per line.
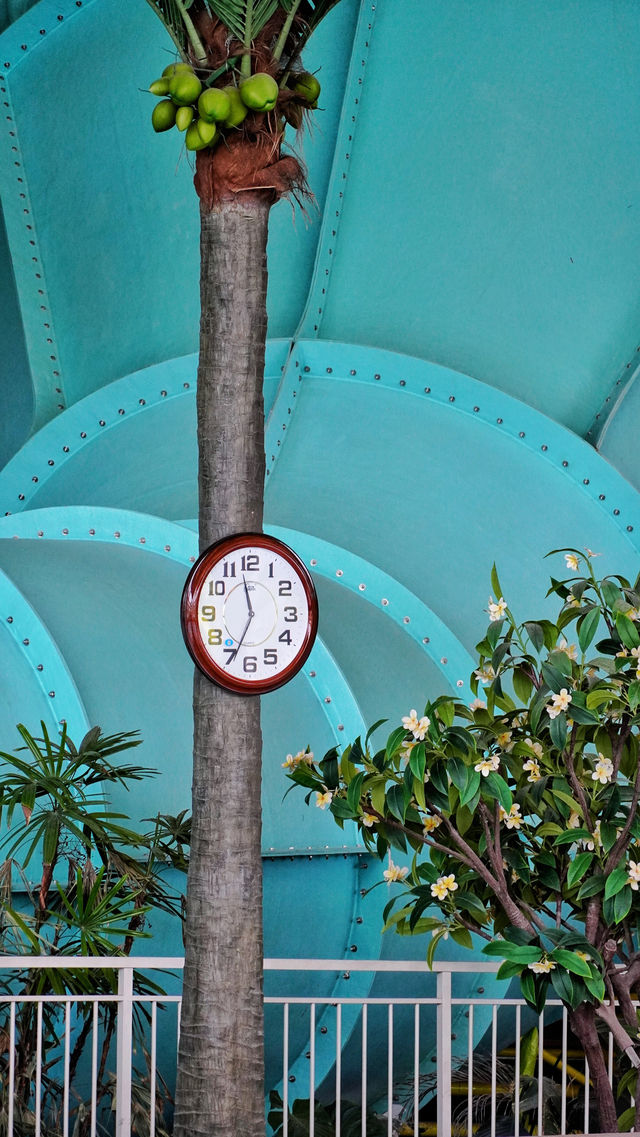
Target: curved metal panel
x=506, y=240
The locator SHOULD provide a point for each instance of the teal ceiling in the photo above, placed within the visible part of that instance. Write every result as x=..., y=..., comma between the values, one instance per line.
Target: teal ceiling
x=453, y=319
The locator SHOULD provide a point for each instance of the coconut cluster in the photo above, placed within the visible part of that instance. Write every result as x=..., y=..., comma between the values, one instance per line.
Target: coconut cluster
x=206, y=113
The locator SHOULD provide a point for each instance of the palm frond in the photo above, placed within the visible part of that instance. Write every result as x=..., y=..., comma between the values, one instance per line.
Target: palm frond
x=245, y=19
x=176, y=19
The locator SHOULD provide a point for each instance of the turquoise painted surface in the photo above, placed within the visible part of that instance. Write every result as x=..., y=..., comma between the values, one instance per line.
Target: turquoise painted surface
x=489, y=220
x=14, y=374
x=11, y=10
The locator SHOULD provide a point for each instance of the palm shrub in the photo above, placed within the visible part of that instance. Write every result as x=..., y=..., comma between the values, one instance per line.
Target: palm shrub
x=520, y=812
x=95, y=881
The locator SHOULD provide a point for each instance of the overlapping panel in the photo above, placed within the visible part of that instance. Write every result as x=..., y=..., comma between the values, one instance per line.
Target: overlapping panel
x=106, y=251
x=483, y=211
x=432, y=476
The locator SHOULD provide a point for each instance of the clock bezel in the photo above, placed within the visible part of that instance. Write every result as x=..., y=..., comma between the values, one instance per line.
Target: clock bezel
x=190, y=604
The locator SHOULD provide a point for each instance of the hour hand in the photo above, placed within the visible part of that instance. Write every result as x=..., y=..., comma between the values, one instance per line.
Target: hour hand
x=246, y=592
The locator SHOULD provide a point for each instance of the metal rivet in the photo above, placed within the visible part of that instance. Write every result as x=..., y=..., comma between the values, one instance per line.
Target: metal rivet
x=312, y=674
x=92, y=532
x=376, y=377
x=65, y=449
x=358, y=919
x=116, y=534
x=143, y=540
x=629, y=528
x=354, y=947
x=565, y=463
x=52, y=694
x=403, y=382
x=323, y=1030
x=346, y=975
x=521, y=434
x=163, y=394
x=459, y=682
x=292, y=1077
x=406, y=619
x=585, y=481
x=352, y=372
x=313, y=561
x=339, y=572
x=51, y=462
x=427, y=390
x=452, y=398
x=20, y=497
x=142, y=402
x=616, y=513
x=444, y=659
x=40, y=532
x=9, y=619
x=186, y=386
x=65, y=532
x=425, y=639
x=40, y=667
x=102, y=422
x=340, y=726
x=121, y=411
x=307, y=369
x=385, y=602
x=34, y=478
x=543, y=447
x=83, y=434
x=601, y=497
x=329, y=370
x=481, y=990
x=327, y=698
x=167, y=548
x=362, y=587
x=26, y=643
x=499, y=421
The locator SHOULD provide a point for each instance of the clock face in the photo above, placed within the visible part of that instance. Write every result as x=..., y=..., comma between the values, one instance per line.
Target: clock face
x=249, y=613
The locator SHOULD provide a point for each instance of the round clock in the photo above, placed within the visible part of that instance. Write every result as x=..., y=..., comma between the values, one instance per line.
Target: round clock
x=249, y=613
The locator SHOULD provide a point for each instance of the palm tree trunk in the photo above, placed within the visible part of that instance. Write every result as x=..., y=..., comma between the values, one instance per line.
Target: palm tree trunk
x=220, y=1087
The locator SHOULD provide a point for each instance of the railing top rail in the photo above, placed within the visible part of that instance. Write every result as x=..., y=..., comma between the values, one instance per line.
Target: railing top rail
x=169, y=963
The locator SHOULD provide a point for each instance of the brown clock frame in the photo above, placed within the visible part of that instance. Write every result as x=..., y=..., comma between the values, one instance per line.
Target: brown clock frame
x=190, y=606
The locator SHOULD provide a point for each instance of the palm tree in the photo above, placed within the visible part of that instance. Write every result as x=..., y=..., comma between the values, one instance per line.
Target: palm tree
x=240, y=173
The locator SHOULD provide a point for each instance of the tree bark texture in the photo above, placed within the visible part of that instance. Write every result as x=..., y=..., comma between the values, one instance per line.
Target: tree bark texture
x=220, y=1088
x=583, y=1025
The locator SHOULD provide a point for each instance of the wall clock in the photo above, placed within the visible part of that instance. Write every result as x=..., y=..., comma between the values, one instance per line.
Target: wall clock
x=249, y=613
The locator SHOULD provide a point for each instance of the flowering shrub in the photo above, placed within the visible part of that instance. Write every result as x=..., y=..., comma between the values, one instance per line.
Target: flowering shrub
x=521, y=809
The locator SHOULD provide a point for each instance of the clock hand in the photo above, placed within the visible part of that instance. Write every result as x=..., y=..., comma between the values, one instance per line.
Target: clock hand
x=246, y=592
x=240, y=641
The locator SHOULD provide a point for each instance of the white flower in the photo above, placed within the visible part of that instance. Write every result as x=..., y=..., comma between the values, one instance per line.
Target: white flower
x=324, y=799
x=512, y=819
x=633, y=878
x=418, y=727
x=443, y=886
x=486, y=765
x=560, y=702
x=534, y=770
x=603, y=771
x=430, y=823
x=497, y=609
x=294, y=760
x=569, y=649
x=485, y=674
x=572, y=562
x=542, y=967
x=535, y=746
x=407, y=747
x=596, y=840
x=395, y=872
x=574, y=820
x=590, y=553
x=478, y=704
x=504, y=741
x=368, y=819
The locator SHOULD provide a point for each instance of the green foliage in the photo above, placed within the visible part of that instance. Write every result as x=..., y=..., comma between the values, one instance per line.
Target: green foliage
x=324, y=1119
x=521, y=809
x=97, y=881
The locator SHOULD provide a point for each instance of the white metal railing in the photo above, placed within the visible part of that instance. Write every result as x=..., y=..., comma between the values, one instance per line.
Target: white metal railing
x=368, y=1046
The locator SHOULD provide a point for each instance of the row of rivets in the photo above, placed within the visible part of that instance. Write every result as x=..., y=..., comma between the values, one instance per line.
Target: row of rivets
x=92, y=533
x=499, y=422
x=628, y=378
x=84, y=434
x=30, y=234
x=342, y=172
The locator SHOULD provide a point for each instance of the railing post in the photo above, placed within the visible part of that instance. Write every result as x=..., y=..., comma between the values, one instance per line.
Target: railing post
x=443, y=1042
x=124, y=1044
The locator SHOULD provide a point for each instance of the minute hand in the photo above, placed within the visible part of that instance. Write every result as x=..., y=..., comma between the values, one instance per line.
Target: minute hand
x=240, y=641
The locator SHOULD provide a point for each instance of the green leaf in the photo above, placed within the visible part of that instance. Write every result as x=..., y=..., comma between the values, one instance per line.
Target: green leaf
x=354, y=792
x=571, y=961
x=622, y=904
x=515, y=953
x=495, y=583
x=562, y=985
x=553, y=677
x=535, y=634
x=572, y=836
x=616, y=881
x=558, y=730
x=587, y=627
x=634, y=694
x=473, y=785
x=591, y=886
x=447, y=712
x=595, y=986
x=329, y=769
x=522, y=685
x=396, y=802
x=578, y=868
x=508, y=970
x=627, y=631
x=395, y=739
x=498, y=789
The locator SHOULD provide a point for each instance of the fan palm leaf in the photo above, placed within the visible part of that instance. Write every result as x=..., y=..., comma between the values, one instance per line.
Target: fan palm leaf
x=176, y=19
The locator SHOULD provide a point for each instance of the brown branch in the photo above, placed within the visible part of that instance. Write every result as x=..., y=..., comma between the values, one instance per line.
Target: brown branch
x=620, y=846
x=576, y=785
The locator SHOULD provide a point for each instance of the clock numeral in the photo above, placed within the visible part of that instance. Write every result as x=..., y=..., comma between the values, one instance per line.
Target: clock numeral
x=231, y=653
x=284, y=588
x=229, y=569
x=271, y=569
x=250, y=563
x=207, y=612
x=217, y=587
x=285, y=637
x=215, y=637
x=270, y=655
x=250, y=663
x=293, y=615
